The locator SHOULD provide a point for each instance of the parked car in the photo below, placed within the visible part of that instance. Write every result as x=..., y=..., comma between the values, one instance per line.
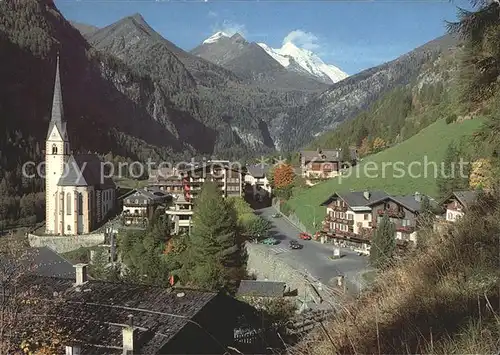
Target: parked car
x=295, y=245
x=270, y=241
x=305, y=236
x=276, y=215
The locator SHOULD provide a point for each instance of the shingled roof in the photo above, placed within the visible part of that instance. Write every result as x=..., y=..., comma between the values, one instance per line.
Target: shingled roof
x=97, y=311
x=57, y=118
x=465, y=197
x=86, y=170
x=357, y=198
x=47, y=262
x=258, y=171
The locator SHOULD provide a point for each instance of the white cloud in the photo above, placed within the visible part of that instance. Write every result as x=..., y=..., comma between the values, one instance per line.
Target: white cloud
x=230, y=28
x=212, y=14
x=306, y=40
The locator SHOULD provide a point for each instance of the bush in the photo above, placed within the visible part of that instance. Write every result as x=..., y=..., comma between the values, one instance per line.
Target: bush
x=451, y=118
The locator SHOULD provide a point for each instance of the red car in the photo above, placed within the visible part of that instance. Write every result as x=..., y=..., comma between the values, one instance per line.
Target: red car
x=305, y=236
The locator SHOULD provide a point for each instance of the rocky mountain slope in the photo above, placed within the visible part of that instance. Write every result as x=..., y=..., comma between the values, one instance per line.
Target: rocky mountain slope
x=252, y=63
x=83, y=28
x=142, y=96
x=345, y=99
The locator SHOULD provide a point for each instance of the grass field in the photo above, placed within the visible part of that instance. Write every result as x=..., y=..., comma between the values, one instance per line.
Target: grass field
x=414, y=171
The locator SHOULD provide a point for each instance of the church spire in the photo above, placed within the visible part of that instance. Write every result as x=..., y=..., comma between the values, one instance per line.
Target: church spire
x=57, y=102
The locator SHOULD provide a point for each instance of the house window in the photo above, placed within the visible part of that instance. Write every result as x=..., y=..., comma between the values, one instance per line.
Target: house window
x=54, y=149
x=450, y=216
x=68, y=204
x=350, y=217
x=68, y=227
x=80, y=204
x=136, y=201
x=405, y=222
x=366, y=217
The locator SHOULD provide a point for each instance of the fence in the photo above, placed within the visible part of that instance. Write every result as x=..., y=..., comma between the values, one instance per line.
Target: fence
x=292, y=218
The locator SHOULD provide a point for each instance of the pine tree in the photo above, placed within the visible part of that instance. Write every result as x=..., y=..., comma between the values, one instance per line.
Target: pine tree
x=216, y=255
x=383, y=243
x=449, y=175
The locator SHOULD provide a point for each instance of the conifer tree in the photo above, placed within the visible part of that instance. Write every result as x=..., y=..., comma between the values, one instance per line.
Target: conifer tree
x=216, y=254
x=449, y=175
x=383, y=243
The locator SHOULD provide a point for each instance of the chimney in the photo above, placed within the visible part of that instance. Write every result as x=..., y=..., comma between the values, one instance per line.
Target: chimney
x=418, y=197
x=73, y=350
x=366, y=194
x=128, y=336
x=81, y=274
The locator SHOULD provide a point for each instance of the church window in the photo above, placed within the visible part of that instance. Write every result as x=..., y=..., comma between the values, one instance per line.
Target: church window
x=68, y=227
x=54, y=149
x=80, y=204
x=68, y=203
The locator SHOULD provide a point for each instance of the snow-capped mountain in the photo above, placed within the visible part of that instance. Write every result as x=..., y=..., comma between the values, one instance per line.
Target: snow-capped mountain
x=300, y=59
x=215, y=37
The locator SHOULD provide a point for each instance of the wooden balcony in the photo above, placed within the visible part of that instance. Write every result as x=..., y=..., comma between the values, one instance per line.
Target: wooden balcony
x=339, y=208
x=391, y=212
x=406, y=229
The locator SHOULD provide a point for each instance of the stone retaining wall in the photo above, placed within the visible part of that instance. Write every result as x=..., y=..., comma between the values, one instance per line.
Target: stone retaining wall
x=64, y=244
x=265, y=266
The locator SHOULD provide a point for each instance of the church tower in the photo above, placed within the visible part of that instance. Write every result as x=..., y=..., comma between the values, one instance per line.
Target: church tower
x=56, y=155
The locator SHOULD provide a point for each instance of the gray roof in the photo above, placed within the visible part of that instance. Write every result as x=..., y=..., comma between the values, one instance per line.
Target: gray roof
x=150, y=193
x=357, y=198
x=465, y=197
x=258, y=170
x=57, y=118
x=258, y=288
x=93, y=315
x=410, y=202
x=326, y=155
x=86, y=170
x=47, y=262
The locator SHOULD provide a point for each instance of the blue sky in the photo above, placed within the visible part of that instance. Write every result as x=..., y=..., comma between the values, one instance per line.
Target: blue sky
x=353, y=35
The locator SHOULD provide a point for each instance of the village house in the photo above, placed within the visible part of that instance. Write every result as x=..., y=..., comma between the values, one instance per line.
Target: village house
x=256, y=179
x=119, y=318
x=316, y=164
x=349, y=216
x=166, y=179
x=229, y=180
x=140, y=205
x=456, y=203
x=402, y=211
x=79, y=193
x=180, y=213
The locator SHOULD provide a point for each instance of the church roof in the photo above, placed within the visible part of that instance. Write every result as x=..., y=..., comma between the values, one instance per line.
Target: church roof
x=86, y=170
x=57, y=118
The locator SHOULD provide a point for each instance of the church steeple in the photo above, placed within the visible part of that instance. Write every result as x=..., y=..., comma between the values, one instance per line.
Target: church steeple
x=57, y=118
x=57, y=102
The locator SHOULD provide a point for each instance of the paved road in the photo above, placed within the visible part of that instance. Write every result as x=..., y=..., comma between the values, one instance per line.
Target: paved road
x=314, y=257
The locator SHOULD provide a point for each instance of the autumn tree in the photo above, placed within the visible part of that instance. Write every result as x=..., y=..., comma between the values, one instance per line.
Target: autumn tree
x=482, y=174
x=283, y=176
x=378, y=144
x=365, y=147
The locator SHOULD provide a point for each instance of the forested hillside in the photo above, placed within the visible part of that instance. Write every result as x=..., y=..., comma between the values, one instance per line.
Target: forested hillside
x=403, y=111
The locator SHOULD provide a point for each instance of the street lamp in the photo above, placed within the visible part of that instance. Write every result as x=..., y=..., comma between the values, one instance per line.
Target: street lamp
x=314, y=214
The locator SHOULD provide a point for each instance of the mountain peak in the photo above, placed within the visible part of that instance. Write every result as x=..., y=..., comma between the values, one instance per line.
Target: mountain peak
x=215, y=37
x=238, y=37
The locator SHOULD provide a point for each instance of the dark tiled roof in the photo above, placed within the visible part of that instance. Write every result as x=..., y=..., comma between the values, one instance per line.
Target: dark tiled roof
x=357, y=198
x=409, y=201
x=47, y=262
x=100, y=309
x=86, y=170
x=57, y=118
x=151, y=193
x=258, y=171
x=465, y=197
x=258, y=288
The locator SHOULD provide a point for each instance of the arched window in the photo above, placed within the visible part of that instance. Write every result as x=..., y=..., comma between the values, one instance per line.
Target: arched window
x=80, y=204
x=54, y=149
x=69, y=206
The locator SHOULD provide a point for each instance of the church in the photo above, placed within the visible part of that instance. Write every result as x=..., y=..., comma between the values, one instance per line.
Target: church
x=78, y=195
